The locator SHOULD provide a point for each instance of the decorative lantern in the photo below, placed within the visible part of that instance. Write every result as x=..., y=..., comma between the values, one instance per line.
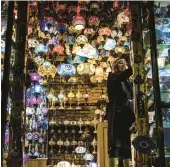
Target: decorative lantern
x=110, y=44
x=59, y=49
x=122, y=18
x=81, y=40
x=41, y=48
x=35, y=77
x=63, y=163
x=72, y=30
x=2, y=46
x=66, y=70
x=70, y=40
x=39, y=60
x=76, y=60
x=78, y=21
x=86, y=68
x=104, y=31
x=120, y=49
x=32, y=43
x=61, y=27
x=88, y=51
x=99, y=73
x=38, y=89
x=89, y=32
x=94, y=21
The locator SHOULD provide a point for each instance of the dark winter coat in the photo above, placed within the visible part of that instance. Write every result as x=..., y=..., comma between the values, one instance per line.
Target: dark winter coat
x=120, y=116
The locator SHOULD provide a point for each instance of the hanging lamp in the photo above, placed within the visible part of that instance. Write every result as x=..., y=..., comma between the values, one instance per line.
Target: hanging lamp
x=78, y=21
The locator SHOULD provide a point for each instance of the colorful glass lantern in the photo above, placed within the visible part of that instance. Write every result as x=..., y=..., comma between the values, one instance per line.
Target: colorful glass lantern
x=99, y=73
x=63, y=163
x=86, y=68
x=104, y=31
x=66, y=70
x=2, y=46
x=114, y=34
x=47, y=69
x=120, y=49
x=72, y=30
x=41, y=48
x=110, y=44
x=88, y=157
x=81, y=39
x=35, y=77
x=122, y=18
x=89, y=32
x=94, y=5
x=100, y=39
x=70, y=40
x=78, y=21
x=88, y=51
x=94, y=21
x=59, y=49
x=49, y=21
x=38, y=89
x=76, y=60
x=53, y=41
x=32, y=43
x=61, y=27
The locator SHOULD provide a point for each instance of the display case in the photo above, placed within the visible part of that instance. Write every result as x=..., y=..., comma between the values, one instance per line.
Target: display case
x=160, y=54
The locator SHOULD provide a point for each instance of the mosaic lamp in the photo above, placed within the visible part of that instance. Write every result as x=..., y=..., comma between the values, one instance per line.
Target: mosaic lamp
x=78, y=21
x=35, y=77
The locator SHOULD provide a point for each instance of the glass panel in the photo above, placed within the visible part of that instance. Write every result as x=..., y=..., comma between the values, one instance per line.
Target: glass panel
x=162, y=29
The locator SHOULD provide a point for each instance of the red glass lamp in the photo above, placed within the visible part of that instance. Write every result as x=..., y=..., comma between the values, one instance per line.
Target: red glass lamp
x=78, y=21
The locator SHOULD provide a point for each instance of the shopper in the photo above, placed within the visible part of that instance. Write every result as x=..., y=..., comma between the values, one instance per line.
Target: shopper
x=119, y=113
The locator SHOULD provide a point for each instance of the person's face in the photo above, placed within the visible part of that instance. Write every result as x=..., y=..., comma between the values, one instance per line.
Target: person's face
x=122, y=65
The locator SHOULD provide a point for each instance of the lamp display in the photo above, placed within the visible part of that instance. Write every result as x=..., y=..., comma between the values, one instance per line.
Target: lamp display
x=69, y=47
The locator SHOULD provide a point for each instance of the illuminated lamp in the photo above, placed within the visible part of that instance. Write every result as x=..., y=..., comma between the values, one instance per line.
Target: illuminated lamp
x=59, y=49
x=78, y=21
x=105, y=32
x=94, y=21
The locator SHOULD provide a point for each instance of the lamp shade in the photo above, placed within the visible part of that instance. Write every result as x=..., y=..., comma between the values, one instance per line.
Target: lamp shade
x=61, y=27
x=81, y=39
x=35, y=77
x=94, y=21
x=104, y=31
x=59, y=49
x=78, y=21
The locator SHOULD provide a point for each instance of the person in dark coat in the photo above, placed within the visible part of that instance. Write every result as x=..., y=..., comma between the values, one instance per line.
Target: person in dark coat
x=119, y=113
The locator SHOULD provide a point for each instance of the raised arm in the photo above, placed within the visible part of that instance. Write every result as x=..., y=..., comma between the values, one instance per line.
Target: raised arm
x=121, y=76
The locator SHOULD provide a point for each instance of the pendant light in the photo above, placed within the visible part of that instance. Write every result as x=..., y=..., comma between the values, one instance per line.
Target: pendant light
x=78, y=21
